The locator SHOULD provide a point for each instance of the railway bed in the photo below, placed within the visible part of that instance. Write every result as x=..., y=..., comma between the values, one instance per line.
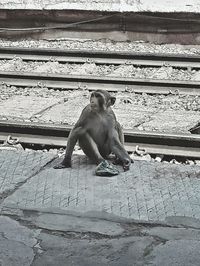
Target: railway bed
x=102, y=57
x=71, y=82
x=51, y=135
x=92, y=82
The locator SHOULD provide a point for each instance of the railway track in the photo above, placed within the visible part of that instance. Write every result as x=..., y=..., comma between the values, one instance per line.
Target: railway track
x=114, y=84
x=102, y=57
x=90, y=82
x=56, y=135
x=50, y=135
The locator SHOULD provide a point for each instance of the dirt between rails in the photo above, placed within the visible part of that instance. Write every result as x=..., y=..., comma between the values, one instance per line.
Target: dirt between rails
x=161, y=113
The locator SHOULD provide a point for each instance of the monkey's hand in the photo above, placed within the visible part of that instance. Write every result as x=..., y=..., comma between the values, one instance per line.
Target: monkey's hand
x=126, y=165
x=63, y=164
x=117, y=161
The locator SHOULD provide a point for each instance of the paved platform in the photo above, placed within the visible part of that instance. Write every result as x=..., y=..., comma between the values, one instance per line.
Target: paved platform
x=148, y=192
x=106, y=5
x=17, y=167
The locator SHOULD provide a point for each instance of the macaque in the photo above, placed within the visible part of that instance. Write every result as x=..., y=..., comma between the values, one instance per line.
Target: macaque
x=98, y=133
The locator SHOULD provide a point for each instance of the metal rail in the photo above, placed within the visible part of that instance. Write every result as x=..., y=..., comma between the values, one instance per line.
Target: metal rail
x=115, y=84
x=64, y=82
x=185, y=145
x=102, y=57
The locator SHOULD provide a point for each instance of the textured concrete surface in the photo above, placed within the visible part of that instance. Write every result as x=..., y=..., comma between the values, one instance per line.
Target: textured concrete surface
x=149, y=191
x=17, y=167
x=108, y=5
x=72, y=217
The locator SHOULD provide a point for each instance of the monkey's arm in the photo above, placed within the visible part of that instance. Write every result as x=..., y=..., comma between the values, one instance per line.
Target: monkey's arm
x=72, y=139
x=118, y=149
x=119, y=129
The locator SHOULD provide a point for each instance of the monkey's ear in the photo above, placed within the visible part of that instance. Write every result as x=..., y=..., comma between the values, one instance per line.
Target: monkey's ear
x=112, y=100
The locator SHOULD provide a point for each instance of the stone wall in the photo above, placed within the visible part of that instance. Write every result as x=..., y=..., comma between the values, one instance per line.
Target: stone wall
x=107, y=5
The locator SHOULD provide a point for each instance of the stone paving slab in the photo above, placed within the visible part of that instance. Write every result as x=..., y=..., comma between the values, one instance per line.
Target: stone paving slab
x=148, y=192
x=16, y=243
x=25, y=106
x=16, y=167
x=121, y=251
x=108, y=5
x=136, y=115
x=172, y=121
x=70, y=111
x=187, y=253
x=67, y=112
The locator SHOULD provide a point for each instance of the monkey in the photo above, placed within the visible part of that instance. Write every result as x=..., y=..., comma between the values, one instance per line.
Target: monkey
x=98, y=132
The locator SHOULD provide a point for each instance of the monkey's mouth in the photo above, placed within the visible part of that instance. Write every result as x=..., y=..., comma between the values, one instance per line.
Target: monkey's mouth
x=93, y=106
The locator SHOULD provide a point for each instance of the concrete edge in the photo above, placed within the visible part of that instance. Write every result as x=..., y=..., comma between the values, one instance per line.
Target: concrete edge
x=171, y=221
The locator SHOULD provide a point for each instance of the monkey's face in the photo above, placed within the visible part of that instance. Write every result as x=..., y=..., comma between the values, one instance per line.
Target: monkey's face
x=101, y=100
x=97, y=101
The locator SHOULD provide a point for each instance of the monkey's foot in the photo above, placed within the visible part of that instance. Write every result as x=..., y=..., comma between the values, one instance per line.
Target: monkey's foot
x=61, y=166
x=106, y=169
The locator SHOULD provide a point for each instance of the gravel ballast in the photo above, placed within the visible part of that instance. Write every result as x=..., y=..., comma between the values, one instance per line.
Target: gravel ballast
x=54, y=67
x=105, y=45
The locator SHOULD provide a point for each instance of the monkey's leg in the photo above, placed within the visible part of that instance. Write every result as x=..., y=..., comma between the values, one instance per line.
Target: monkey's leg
x=90, y=148
x=72, y=139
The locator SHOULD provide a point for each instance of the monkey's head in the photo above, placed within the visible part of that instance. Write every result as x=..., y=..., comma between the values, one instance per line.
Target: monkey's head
x=101, y=100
